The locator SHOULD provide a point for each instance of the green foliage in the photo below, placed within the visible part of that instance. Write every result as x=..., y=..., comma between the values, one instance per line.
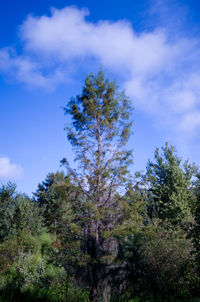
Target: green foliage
x=159, y=263
x=166, y=253
x=62, y=210
x=58, y=199
x=23, y=258
x=6, y=210
x=100, y=128
x=17, y=212
x=169, y=184
x=28, y=272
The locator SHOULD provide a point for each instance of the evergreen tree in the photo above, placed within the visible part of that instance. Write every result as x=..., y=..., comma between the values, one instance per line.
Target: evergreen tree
x=62, y=210
x=6, y=210
x=52, y=195
x=169, y=184
x=17, y=212
x=99, y=131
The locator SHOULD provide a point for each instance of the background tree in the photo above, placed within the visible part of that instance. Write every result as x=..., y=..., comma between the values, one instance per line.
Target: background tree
x=169, y=184
x=17, y=212
x=53, y=197
x=6, y=210
x=62, y=211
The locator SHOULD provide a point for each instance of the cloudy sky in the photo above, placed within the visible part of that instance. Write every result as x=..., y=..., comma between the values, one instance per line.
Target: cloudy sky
x=151, y=47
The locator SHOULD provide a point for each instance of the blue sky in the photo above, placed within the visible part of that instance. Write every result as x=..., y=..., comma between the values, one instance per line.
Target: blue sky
x=47, y=48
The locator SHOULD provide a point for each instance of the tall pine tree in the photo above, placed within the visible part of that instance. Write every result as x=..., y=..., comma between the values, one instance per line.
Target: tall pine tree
x=100, y=128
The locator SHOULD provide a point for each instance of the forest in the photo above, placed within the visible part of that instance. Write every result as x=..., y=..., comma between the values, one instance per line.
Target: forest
x=99, y=233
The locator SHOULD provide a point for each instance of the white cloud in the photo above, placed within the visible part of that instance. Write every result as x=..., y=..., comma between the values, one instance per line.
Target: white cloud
x=161, y=74
x=27, y=71
x=190, y=121
x=67, y=35
x=9, y=170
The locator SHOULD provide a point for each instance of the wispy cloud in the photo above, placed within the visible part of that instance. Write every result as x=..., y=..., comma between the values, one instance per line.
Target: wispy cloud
x=9, y=170
x=161, y=74
x=27, y=70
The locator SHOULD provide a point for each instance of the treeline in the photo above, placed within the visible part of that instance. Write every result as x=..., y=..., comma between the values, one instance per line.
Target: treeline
x=99, y=233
